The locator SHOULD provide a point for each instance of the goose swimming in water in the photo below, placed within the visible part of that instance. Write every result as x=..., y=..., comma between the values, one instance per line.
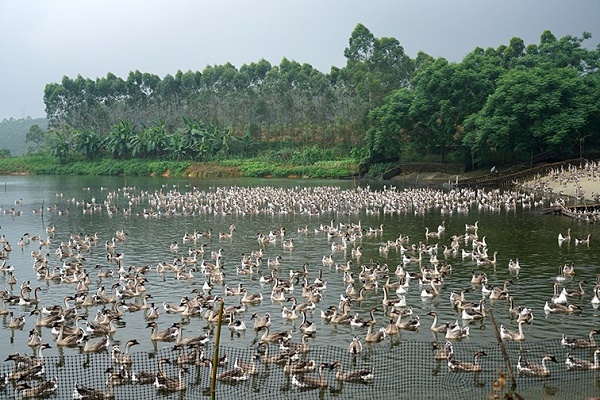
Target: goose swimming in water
x=308, y=382
x=96, y=346
x=236, y=374
x=565, y=238
x=514, y=266
x=575, y=292
x=465, y=366
x=533, y=369
x=42, y=389
x=580, y=342
x=274, y=337
x=474, y=313
x=126, y=357
x=307, y=326
x=365, y=375
x=441, y=352
x=508, y=335
x=355, y=346
x=550, y=308
x=583, y=241
x=88, y=393
x=559, y=297
x=578, y=363
x=455, y=331
x=375, y=337
x=167, y=383
x=166, y=335
x=251, y=298
x=262, y=322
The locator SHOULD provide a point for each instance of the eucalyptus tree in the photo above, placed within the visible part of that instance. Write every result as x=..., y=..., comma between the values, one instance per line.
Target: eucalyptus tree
x=55, y=100
x=168, y=96
x=375, y=66
x=189, y=83
x=218, y=84
x=254, y=103
x=141, y=97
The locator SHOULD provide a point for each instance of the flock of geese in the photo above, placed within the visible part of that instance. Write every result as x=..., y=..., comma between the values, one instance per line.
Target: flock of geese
x=577, y=182
x=114, y=289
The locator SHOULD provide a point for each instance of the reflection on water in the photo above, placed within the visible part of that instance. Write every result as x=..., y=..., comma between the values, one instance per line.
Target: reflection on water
x=32, y=204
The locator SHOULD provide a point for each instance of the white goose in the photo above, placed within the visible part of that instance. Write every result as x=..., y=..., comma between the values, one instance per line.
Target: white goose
x=566, y=238
x=508, y=335
x=559, y=298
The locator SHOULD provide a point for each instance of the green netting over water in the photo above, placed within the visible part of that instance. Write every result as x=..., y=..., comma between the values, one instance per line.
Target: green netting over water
x=400, y=370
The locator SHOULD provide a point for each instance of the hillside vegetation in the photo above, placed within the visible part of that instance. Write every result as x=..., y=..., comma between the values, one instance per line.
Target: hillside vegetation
x=13, y=134
x=516, y=103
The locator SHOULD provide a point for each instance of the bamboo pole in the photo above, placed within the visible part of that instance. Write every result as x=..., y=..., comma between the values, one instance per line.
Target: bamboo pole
x=213, y=378
x=513, y=383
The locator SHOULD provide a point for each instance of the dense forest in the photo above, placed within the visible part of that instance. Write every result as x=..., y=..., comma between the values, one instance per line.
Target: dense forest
x=502, y=105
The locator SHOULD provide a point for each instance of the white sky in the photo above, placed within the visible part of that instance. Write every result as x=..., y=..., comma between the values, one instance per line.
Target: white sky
x=43, y=40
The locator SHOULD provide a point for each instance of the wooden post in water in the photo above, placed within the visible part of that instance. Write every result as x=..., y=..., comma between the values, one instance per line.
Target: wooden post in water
x=513, y=383
x=213, y=378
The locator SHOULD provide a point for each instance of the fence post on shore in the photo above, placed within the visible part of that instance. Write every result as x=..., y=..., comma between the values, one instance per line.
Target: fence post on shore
x=513, y=383
x=213, y=377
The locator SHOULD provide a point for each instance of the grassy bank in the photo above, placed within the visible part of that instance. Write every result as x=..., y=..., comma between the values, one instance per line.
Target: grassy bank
x=46, y=165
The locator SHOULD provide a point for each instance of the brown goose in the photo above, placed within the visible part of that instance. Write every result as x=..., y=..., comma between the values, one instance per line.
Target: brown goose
x=365, y=375
x=465, y=366
x=308, y=382
x=533, y=369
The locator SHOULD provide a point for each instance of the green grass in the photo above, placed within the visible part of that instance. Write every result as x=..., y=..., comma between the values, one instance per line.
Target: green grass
x=254, y=167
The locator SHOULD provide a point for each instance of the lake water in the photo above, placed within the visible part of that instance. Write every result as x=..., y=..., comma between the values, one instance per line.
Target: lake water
x=31, y=204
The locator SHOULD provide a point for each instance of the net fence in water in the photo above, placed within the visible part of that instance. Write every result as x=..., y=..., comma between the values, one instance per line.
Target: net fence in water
x=400, y=369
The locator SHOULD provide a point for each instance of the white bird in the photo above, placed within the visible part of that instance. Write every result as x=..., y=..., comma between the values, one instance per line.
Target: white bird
x=566, y=238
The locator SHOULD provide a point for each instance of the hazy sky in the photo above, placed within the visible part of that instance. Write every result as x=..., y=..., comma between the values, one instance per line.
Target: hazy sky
x=43, y=40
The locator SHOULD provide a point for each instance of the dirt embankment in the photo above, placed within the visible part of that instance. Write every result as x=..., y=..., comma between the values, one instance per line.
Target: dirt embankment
x=208, y=170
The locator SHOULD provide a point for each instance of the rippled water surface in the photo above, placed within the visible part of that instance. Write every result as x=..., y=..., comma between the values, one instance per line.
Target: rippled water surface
x=523, y=233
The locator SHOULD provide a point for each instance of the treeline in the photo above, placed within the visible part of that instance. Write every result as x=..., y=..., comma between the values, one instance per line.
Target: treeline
x=508, y=103
x=15, y=139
